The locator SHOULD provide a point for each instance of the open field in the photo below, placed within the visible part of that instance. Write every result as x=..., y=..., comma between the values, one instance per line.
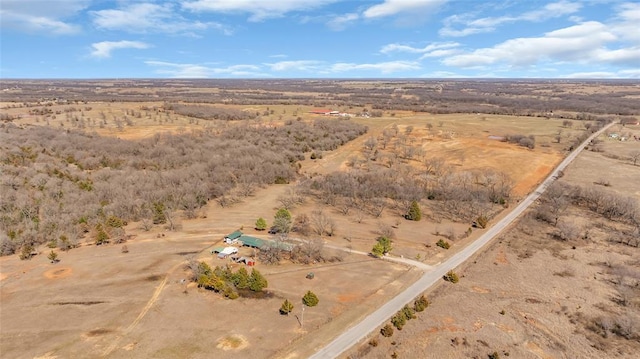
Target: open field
x=532, y=295
x=100, y=302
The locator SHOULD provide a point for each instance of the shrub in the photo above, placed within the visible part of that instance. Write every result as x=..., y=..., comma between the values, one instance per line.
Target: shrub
x=399, y=320
x=420, y=304
x=451, y=276
x=482, y=222
x=387, y=331
x=443, y=244
x=382, y=247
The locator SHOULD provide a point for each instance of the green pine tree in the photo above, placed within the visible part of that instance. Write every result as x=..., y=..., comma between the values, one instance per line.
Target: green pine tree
x=310, y=299
x=261, y=224
x=377, y=250
x=241, y=278
x=286, y=308
x=414, y=213
x=53, y=257
x=256, y=281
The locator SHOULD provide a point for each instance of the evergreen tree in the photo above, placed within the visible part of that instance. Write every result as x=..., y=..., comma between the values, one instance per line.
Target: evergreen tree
x=282, y=221
x=256, y=281
x=102, y=236
x=159, y=217
x=386, y=244
x=310, y=299
x=286, y=308
x=378, y=250
x=53, y=257
x=261, y=224
x=414, y=213
x=241, y=278
x=283, y=213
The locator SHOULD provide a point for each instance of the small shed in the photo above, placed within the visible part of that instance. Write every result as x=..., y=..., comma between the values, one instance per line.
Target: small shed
x=217, y=250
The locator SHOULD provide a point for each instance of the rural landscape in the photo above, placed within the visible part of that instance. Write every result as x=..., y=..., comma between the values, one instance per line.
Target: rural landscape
x=179, y=218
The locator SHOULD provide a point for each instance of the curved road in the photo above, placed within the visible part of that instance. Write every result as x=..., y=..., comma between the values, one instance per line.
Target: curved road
x=356, y=333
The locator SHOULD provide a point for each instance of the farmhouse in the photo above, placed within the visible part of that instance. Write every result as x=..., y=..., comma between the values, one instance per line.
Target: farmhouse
x=232, y=237
x=629, y=122
x=321, y=111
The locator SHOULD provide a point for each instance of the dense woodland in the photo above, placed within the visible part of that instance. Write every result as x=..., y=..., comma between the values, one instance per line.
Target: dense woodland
x=60, y=185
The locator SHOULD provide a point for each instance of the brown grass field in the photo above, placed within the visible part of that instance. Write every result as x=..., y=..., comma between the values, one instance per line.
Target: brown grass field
x=530, y=295
x=100, y=302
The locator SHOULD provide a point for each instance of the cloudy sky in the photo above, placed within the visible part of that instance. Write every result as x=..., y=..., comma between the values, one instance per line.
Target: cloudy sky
x=319, y=39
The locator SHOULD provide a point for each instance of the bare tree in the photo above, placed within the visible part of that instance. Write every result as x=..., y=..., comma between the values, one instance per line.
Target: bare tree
x=635, y=157
x=321, y=223
x=308, y=251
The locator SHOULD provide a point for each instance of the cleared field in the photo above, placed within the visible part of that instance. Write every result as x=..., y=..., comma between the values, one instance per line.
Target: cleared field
x=532, y=295
x=101, y=302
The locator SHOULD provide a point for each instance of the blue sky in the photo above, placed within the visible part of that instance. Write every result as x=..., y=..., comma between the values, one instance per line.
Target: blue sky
x=319, y=39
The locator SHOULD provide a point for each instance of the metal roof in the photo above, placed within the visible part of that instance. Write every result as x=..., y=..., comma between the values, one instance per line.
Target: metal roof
x=251, y=241
x=234, y=235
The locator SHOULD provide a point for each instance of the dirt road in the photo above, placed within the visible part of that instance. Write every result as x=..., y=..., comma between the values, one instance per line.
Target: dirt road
x=356, y=333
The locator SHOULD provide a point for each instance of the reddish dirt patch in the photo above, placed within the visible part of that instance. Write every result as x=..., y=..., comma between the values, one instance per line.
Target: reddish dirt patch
x=526, y=184
x=477, y=289
x=58, y=273
x=347, y=297
x=501, y=258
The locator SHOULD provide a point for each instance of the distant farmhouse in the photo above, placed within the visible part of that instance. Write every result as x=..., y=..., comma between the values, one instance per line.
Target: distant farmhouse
x=629, y=122
x=324, y=111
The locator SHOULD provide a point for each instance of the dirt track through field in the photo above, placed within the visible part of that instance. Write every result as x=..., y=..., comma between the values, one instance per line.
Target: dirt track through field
x=143, y=312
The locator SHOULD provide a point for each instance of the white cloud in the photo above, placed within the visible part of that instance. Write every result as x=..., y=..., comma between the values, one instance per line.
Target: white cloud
x=382, y=67
x=259, y=9
x=417, y=50
x=582, y=43
x=488, y=24
x=41, y=16
x=176, y=70
x=397, y=7
x=148, y=17
x=339, y=23
x=625, y=25
x=103, y=49
x=632, y=73
x=299, y=65
x=592, y=75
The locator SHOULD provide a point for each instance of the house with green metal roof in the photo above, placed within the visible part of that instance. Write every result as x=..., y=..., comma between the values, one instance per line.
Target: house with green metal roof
x=232, y=237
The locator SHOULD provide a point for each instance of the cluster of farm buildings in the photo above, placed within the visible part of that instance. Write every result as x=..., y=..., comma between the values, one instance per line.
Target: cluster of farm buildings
x=237, y=239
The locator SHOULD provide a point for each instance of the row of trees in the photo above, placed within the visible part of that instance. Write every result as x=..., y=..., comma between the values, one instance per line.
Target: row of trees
x=224, y=280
